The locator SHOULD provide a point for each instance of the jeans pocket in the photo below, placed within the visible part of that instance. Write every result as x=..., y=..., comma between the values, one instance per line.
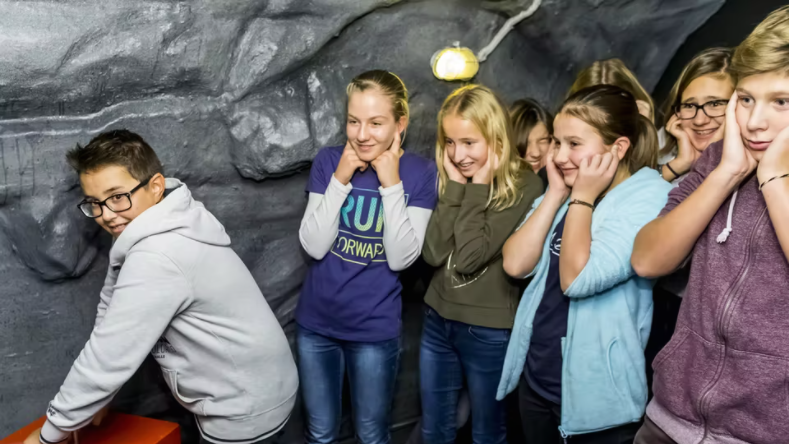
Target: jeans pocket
x=490, y=336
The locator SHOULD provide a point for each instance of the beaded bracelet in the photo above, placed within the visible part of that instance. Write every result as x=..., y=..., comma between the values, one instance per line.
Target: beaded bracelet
x=775, y=177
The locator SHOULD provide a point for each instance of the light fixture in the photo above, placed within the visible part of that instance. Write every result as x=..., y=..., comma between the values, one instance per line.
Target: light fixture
x=457, y=63
x=454, y=63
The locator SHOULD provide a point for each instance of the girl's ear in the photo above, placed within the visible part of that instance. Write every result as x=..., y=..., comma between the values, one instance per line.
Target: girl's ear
x=621, y=146
x=403, y=123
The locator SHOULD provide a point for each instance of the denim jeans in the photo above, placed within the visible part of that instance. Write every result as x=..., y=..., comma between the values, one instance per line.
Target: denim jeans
x=453, y=352
x=372, y=368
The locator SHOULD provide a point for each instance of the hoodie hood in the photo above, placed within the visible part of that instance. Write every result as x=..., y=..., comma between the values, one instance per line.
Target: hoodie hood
x=177, y=213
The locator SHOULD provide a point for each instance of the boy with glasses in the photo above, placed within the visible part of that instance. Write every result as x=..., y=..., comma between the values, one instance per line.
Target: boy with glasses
x=723, y=376
x=177, y=290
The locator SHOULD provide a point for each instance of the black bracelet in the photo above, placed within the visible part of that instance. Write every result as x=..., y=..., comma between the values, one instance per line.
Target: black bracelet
x=581, y=202
x=670, y=169
x=775, y=177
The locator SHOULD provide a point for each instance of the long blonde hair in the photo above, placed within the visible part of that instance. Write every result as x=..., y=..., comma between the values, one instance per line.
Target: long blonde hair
x=766, y=48
x=479, y=105
x=612, y=72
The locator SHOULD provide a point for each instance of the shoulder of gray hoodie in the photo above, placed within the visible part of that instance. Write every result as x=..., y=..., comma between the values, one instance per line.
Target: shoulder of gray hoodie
x=177, y=290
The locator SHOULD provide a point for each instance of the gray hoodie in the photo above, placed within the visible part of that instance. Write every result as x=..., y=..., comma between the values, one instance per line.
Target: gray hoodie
x=177, y=290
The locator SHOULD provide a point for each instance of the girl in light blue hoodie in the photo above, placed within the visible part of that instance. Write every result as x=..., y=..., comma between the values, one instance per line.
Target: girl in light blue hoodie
x=576, y=352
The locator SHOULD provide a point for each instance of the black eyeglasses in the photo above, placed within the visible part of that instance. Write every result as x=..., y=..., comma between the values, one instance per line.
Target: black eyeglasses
x=115, y=203
x=714, y=108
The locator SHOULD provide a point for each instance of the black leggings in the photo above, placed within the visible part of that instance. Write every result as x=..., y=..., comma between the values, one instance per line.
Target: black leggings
x=540, y=419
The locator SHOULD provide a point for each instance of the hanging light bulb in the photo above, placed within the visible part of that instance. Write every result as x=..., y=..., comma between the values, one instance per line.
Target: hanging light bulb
x=454, y=63
x=458, y=63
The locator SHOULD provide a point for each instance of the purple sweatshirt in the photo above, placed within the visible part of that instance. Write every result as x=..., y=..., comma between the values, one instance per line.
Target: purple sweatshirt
x=723, y=377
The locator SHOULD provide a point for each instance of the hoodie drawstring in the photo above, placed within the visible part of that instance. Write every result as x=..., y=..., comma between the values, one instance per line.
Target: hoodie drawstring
x=725, y=233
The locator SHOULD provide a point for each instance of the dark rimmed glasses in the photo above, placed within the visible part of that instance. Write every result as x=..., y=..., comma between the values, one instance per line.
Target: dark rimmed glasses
x=115, y=203
x=714, y=108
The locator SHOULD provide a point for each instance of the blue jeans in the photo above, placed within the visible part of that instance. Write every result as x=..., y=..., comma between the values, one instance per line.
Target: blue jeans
x=372, y=368
x=449, y=353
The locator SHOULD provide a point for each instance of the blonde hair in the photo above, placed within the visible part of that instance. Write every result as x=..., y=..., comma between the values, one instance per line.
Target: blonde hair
x=612, y=72
x=766, y=48
x=713, y=61
x=479, y=105
x=613, y=113
x=388, y=84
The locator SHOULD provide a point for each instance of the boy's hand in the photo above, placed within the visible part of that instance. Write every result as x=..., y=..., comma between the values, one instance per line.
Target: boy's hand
x=99, y=417
x=348, y=165
x=33, y=438
x=595, y=176
x=736, y=160
x=387, y=165
x=775, y=160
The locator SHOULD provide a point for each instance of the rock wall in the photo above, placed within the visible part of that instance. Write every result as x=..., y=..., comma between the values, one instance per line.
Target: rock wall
x=237, y=96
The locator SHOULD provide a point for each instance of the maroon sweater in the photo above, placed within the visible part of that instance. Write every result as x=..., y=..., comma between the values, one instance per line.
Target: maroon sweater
x=723, y=376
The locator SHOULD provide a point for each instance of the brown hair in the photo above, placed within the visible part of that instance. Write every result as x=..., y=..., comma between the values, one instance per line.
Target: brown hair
x=488, y=113
x=612, y=111
x=526, y=114
x=713, y=61
x=388, y=84
x=612, y=72
x=118, y=147
x=765, y=49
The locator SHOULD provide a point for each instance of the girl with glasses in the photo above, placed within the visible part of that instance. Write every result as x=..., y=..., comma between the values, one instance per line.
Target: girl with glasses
x=694, y=112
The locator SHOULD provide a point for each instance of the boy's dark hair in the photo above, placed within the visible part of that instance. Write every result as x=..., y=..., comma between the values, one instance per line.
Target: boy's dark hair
x=117, y=147
x=526, y=114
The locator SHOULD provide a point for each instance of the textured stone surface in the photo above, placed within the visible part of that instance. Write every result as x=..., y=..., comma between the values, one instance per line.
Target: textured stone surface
x=237, y=96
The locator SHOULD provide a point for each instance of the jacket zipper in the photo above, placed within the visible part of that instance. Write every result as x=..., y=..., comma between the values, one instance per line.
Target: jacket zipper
x=734, y=291
x=568, y=338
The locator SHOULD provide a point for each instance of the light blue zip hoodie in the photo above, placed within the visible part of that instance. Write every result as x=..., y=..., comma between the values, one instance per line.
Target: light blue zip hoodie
x=611, y=309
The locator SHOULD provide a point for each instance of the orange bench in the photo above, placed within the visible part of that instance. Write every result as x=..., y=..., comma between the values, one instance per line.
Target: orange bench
x=116, y=428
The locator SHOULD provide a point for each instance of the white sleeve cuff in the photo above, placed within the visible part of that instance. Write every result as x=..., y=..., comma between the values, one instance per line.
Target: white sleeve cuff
x=51, y=434
x=389, y=191
x=337, y=185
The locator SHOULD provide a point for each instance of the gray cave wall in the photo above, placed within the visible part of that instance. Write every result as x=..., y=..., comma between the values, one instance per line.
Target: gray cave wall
x=236, y=97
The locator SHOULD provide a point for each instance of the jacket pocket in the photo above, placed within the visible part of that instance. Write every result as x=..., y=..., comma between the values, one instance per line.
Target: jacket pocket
x=684, y=369
x=749, y=401
x=630, y=388
x=595, y=390
x=194, y=405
